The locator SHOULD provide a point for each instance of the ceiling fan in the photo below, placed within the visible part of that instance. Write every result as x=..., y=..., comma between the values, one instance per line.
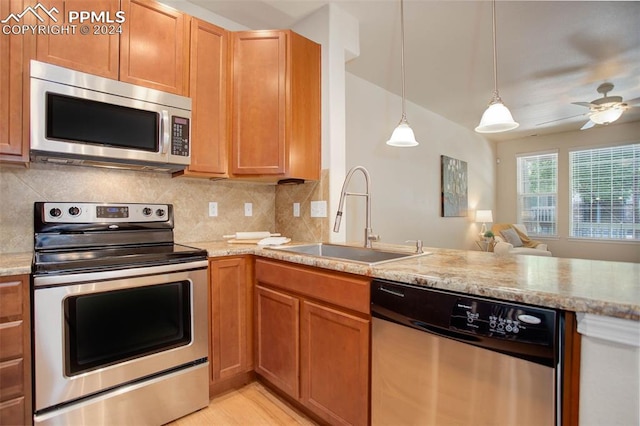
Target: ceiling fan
x=607, y=109
x=604, y=110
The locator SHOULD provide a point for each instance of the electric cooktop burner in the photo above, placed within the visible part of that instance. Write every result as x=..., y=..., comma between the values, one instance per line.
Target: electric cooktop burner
x=85, y=237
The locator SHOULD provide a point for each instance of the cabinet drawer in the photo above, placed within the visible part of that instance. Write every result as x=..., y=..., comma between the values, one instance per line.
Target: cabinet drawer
x=11, y=340
x=348, y=291
x=11, y=299
x=12, y=412
x=11, y=377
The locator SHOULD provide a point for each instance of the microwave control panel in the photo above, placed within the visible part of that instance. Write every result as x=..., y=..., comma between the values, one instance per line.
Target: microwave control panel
x=179, y=136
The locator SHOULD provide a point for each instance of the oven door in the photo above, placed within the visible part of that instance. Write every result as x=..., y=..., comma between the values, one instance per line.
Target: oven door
x=97, y=331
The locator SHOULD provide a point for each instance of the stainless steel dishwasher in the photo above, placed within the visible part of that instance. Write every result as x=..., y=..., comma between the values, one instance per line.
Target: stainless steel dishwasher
x=442, y=358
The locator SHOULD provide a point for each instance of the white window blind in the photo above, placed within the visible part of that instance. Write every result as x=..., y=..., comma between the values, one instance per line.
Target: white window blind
x=538, y=193
x=605, y=193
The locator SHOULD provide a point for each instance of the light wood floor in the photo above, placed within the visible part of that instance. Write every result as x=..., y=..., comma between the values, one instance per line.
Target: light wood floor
x=251, y=405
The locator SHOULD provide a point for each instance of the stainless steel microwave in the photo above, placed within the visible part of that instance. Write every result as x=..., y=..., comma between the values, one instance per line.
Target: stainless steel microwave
x=83, y=119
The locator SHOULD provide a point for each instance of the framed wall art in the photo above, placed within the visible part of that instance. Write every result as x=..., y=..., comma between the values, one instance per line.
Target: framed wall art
x=454, y=187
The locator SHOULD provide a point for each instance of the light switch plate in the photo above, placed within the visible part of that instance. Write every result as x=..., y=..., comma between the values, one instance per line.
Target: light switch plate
x=318, y=209
x=248, y=209
x=296, y=209
x=213, y=209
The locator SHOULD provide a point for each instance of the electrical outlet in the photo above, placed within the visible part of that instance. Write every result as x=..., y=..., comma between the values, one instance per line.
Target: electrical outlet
x=318, y=209
x=296, y=209
x=248, y=209
x=213, y=209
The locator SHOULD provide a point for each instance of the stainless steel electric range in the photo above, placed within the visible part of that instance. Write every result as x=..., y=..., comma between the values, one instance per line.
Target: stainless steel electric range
x=119, y=316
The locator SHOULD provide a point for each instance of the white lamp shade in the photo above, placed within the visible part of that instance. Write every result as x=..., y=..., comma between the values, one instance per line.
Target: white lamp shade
x=402, y=136
x=497, y=118
x=484, y=216
x=607, y=116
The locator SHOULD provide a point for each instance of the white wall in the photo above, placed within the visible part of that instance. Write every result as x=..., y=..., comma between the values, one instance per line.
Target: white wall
x=563, y=246
x=406, y=181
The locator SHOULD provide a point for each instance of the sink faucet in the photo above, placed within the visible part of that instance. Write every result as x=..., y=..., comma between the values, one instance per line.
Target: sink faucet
x=368, y=233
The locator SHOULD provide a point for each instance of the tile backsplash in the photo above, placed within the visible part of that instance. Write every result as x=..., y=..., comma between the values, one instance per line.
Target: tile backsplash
x=20, y=188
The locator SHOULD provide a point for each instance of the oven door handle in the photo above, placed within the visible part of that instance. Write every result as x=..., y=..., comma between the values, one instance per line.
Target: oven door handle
x=66, y=279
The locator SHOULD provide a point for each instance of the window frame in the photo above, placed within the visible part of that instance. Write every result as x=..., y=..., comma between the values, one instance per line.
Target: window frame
x=520, y=194
x=572, y=235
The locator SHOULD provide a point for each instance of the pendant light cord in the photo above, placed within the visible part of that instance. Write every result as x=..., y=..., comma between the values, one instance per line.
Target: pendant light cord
x=496, y=96
x=404, y=115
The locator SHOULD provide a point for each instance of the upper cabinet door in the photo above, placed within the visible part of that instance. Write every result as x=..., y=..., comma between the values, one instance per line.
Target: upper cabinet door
x=259, y=102
x=208, y=89
x=154, y=46
x=15, y=52
x=275, y=105
x=95, y=52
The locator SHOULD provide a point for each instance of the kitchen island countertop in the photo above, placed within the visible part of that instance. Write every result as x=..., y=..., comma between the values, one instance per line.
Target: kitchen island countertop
x=578, y=285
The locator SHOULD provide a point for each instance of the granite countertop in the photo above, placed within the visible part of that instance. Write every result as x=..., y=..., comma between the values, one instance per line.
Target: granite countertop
x=578, y=285
x=591, y=286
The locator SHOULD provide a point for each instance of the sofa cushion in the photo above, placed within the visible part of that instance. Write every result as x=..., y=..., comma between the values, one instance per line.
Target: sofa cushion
x=512, y=237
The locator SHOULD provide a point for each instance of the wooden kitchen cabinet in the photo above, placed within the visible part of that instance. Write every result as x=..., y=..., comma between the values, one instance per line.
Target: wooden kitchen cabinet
x=154, y=46
x=275, y=82
x=15, y=53
x=208, y=89
x=231, y=316
x=313, y=338
x=150, y=48
x=94, y=53
x=277, y=339
x=335, y=364
x=15, y=351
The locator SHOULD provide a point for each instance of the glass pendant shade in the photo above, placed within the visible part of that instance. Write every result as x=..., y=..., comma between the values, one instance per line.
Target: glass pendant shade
x=402, y=135
x=607, y=116
x=496, y=118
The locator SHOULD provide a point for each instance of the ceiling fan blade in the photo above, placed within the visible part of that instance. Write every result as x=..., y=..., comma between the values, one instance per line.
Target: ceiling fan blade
x=589, y=124
x=632, y=102
x=584, y=104
x=560, y=119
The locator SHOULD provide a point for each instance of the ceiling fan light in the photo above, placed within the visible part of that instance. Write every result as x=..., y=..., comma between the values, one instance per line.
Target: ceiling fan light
x=402, y=136
x=607, y=116
x=496, y=118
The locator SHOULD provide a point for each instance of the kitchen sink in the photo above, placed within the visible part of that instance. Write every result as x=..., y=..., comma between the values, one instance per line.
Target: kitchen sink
x=349, y=253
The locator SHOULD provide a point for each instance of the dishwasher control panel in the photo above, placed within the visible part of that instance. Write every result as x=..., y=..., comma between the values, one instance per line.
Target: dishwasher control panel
x=506, y=321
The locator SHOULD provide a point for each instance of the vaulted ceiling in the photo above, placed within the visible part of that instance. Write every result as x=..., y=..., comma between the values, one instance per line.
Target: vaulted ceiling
x=550, y=53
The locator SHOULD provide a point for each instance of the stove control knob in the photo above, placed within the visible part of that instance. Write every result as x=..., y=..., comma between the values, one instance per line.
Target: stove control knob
x=147, y=211
x=74, y=211
x=55, y=212
x=160, y=212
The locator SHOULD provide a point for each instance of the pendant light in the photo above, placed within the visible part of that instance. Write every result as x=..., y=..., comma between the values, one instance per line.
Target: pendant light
x=402, y=136
x=497, y=117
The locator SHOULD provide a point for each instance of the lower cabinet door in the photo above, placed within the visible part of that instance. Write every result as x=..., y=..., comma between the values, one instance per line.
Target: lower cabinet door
x=277, y=339
x=230, y=338
x=335, y=364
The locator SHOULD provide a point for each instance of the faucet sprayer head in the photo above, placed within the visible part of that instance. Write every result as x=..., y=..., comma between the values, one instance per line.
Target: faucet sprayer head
x=336, y=225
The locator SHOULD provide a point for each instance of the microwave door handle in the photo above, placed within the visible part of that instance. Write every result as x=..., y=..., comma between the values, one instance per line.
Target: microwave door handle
x=165, y=131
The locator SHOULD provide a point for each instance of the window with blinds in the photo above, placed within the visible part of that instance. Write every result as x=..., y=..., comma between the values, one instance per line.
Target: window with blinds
x=538, y=193
x=605, y=193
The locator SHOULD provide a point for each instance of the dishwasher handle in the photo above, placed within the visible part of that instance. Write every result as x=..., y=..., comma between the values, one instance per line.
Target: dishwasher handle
x=386, y=315
x=445, y=333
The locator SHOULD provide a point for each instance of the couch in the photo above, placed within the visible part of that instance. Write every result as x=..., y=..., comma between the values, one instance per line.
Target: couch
x=514, y=239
